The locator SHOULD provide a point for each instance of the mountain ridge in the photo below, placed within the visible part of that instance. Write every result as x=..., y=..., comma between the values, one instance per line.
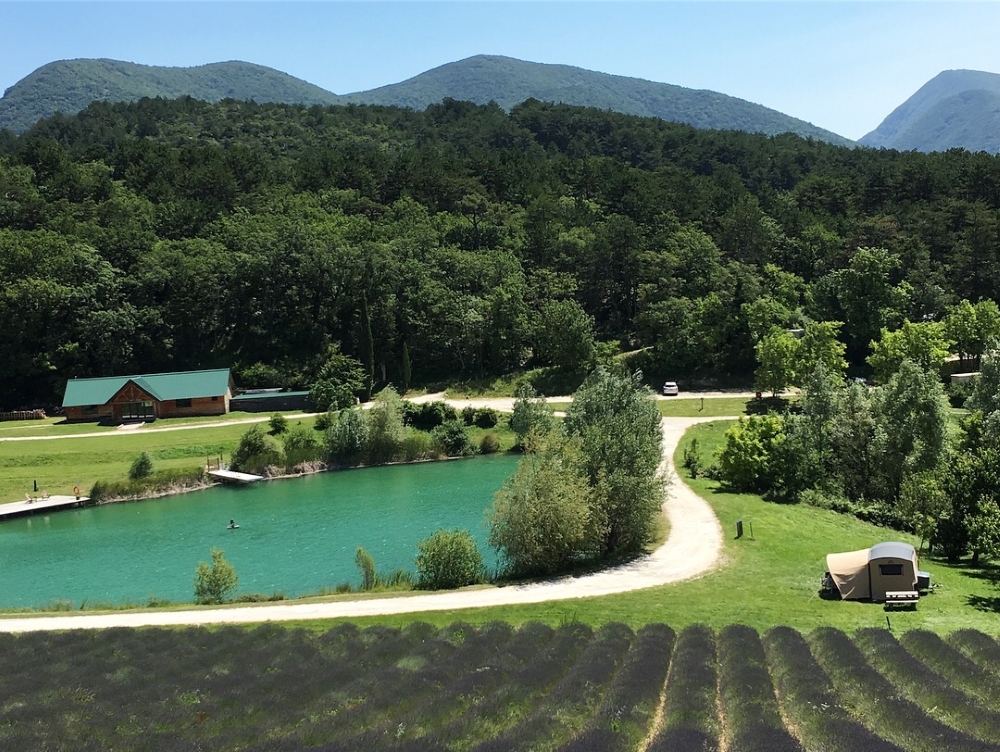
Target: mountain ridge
x=958, y=108
x=68, y=86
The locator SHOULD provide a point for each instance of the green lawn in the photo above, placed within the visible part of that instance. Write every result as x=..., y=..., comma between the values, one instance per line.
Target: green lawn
x=688, y=407
x=59, y=427
x=60, y=464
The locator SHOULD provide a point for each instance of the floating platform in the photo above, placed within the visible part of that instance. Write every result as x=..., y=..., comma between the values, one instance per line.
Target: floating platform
x=230, y=476
x=41, y=504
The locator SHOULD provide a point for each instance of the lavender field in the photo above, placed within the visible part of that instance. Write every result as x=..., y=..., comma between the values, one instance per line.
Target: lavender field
x=499, y=687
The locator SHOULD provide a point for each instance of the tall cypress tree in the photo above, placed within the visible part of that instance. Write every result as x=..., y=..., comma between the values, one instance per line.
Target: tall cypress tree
x=369, y=345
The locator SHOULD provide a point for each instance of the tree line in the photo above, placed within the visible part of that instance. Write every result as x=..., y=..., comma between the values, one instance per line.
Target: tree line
x=460, y=241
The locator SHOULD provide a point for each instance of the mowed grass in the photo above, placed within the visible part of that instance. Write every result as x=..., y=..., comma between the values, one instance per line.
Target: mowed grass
x=59, y=426
x=691, y=407
x=770, y=580
x=60, y=464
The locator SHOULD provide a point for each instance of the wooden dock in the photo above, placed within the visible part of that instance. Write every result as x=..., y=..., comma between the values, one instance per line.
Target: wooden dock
x=40, y=505
x=229, y=476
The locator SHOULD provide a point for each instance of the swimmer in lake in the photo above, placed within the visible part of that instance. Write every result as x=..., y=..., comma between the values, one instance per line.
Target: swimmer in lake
x=233, y=525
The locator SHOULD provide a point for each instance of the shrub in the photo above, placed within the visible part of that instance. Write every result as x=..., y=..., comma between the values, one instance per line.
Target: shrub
x=542, y=521
x=531, y=414
x=301, y=445
x=324, y=421
x=486, y=417
x=347, y=437
x=161, y=480
x=489, y=444
x=255, y=451
x=416, y=446
x=141, y=468
x=468, y=415
x=448, y=559
x=692, y=458
x=278, y=424
x=366, y=565
x=385, y=427
x=745, y=461
x=213, y=583
x=451, y=439
x=428, y=415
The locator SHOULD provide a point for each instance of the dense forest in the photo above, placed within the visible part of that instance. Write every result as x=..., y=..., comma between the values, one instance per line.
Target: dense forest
x=461, y=241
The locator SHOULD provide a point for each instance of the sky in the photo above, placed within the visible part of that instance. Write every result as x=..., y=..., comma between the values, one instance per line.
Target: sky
x=843, y=66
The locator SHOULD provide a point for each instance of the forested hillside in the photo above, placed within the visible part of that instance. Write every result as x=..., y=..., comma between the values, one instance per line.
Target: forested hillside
x=508, y=82
x=68, y=86
x=466, y=240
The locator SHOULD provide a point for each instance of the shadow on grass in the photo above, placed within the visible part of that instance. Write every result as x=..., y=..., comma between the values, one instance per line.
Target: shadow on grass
x=988, y=572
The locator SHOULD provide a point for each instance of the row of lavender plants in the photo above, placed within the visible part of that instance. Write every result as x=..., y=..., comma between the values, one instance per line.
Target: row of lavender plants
x=571, y=688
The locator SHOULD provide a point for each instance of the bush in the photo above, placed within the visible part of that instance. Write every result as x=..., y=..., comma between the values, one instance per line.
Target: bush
x=255, y=451
x=301, y=445
x=141, y=468
x=468, y=415
x=213, y=583
x=416, y=446
x=429, y=415
x=531, y=415
x=385, y=427
x=451, y=439
x=347, y=437
x=486, y=417
x=448, y=559
x=278, y=424
x=366, y=565
x=323, y=421
x=692, y=458
x=746, y=460
x=161, y=480
x=489, y=444
x=542, y=520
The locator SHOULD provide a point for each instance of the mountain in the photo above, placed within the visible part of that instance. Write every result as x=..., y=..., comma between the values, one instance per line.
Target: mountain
x=70, y=85
x=508, y=81
x=955, y=109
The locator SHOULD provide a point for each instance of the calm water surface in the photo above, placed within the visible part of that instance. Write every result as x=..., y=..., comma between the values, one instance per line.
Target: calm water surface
x=295, y=536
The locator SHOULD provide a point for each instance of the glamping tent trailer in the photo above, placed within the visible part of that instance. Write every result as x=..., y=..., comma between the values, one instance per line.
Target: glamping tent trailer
x=871, y=573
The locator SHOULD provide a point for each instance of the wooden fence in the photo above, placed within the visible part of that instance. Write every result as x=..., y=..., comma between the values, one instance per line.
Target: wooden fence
x=23, y=415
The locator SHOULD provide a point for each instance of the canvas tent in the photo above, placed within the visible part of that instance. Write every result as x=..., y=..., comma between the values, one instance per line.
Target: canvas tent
x=872, y=572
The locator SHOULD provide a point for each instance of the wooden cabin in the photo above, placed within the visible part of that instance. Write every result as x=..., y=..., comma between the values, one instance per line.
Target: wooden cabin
x=118, y=399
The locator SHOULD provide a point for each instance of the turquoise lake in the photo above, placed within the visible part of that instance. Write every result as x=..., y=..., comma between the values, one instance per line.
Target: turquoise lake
x=296, y=536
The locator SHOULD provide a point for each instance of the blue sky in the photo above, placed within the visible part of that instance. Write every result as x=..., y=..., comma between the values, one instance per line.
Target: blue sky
x=843, y=66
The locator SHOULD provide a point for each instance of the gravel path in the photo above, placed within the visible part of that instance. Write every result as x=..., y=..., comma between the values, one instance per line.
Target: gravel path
x=692, y=549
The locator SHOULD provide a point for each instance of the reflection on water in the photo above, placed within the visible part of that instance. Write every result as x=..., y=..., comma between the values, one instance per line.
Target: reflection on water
x=295, y=536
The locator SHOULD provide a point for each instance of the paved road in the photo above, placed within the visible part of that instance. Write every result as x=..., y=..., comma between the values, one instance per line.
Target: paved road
x=692, y=549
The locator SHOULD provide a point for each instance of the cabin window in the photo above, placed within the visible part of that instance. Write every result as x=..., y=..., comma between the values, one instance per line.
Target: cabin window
x=183, y=402
x=215, y=398
x=891, y=570
x=90, y=410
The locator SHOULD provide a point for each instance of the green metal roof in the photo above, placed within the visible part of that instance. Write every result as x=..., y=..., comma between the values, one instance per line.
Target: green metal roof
x=267, y=396
x=162, y=386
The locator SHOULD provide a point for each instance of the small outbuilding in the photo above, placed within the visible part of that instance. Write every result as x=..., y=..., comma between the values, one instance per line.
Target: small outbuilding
x=873, y=572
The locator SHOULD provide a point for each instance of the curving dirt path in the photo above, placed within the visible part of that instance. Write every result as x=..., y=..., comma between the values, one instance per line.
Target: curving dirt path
x=692, y=549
